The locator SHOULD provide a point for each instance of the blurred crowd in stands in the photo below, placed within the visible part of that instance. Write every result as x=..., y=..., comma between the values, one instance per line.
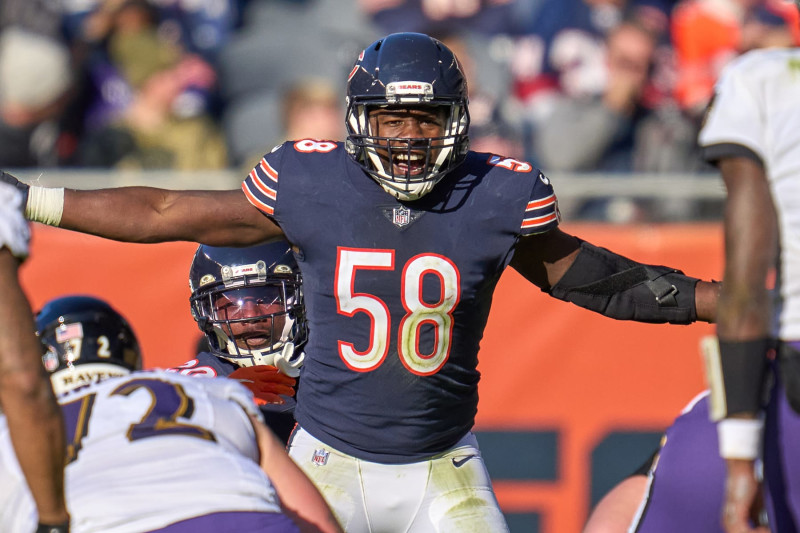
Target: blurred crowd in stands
x=571, y=85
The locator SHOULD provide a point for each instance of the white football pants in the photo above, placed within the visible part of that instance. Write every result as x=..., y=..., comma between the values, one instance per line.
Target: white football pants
x=449, y=493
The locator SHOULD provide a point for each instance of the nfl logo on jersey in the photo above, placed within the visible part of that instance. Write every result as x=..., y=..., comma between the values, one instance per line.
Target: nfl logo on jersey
x=401, y=216
x=320, y=457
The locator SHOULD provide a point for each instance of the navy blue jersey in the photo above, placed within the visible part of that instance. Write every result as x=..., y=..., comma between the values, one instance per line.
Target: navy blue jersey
x=397, y=293
x=208, y=364
x=278, y=417
x=205, y=364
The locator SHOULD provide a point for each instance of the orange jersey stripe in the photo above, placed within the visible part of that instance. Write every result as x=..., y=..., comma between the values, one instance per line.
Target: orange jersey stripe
x=544, y=202
x=539, y=221
x=268, y=170
x=261, y=206
x=262, y=187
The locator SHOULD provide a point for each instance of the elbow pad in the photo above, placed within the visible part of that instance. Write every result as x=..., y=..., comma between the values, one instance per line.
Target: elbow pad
x=619, y=288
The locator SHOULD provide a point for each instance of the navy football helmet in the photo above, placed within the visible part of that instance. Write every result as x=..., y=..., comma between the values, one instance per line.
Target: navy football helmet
x=400, y=70
x=85, y=340
x=249, y=304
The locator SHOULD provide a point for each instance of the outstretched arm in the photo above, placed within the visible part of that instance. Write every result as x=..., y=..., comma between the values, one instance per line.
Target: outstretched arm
x=147, y=214
x=144, y=214
x=299, y=497
x=543, y=259
x=595, y=278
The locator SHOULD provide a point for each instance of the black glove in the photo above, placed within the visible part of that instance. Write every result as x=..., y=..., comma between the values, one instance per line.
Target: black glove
x=5, y=177
x=51, y=528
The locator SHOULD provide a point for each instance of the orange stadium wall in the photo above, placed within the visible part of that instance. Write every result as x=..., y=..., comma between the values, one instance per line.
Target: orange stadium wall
x=570, y=401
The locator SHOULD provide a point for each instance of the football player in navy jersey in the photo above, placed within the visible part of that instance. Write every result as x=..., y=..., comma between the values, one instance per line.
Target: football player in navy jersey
x=248, y=302
x=401, y=234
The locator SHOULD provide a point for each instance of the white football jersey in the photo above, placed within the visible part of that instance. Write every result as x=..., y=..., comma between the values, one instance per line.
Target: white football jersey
x=756, y=109
x=17, y=510
x=153, y=448
x=14, y=229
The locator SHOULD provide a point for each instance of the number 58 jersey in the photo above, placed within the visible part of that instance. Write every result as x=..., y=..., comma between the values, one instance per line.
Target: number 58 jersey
x=153, y=448
x=397, y=293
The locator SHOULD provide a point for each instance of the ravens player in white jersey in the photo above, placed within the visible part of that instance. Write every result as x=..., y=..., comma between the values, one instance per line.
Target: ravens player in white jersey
x=401, y=234
x=33, y=420
x=82, y=340
x=152, y=450
x=248, y=302
x=750, y=133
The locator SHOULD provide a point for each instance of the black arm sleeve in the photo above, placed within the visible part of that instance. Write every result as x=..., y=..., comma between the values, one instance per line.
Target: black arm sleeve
x=620, y=288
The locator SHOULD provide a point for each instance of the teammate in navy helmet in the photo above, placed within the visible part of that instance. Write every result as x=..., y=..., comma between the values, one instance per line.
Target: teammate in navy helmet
x=248, y=303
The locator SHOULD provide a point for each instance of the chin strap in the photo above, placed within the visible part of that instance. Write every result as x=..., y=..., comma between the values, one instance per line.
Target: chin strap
x=284, y=362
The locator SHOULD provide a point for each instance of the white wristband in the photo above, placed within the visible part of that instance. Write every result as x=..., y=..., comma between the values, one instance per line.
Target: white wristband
x=740, y=438
x=45, y=205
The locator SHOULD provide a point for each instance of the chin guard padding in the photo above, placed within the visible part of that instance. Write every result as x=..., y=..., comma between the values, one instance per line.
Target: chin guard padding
x=620, y=288
x=287, y=363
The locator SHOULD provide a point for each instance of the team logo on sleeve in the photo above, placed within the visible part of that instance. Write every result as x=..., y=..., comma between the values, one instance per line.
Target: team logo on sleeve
x=510, y=163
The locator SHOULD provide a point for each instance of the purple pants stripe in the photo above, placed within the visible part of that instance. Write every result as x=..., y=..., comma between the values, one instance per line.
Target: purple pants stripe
x=782, y=462
x=233, y=522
